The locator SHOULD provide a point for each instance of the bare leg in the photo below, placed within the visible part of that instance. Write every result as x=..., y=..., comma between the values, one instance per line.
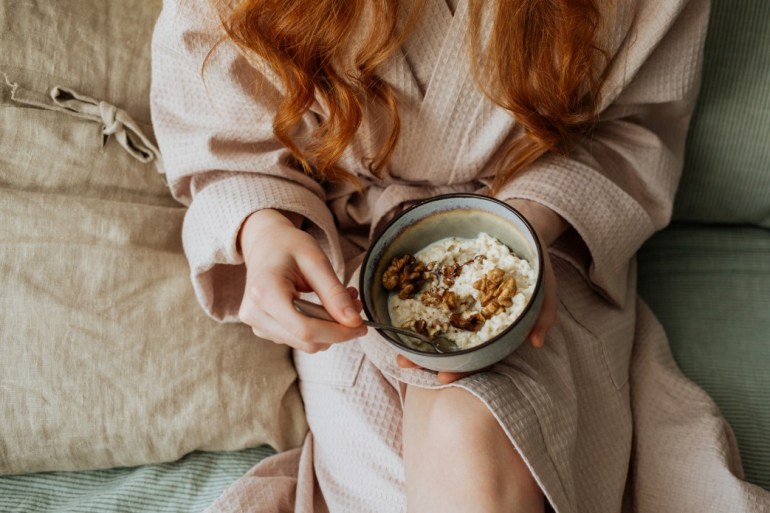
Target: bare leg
x=457, y=457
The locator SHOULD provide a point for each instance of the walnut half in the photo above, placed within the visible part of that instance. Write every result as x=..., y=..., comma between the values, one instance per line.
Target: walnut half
x=404, y=276
x=496, y=292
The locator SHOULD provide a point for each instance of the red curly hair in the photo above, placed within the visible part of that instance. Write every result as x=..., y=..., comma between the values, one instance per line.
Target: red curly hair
x=540, y=64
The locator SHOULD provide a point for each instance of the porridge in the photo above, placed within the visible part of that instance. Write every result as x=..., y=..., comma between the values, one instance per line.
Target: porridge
x=465, y=290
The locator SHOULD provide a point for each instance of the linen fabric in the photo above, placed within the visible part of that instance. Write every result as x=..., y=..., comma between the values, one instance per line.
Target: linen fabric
x=107, y=361
x=568, y=408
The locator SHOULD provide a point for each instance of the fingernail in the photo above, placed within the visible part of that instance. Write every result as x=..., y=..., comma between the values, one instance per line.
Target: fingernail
x=350, y=312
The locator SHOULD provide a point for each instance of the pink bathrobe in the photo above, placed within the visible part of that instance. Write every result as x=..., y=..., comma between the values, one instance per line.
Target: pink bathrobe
x=579, y=410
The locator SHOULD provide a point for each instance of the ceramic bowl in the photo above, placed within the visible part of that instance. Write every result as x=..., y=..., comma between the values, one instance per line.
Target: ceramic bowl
x=452, y=215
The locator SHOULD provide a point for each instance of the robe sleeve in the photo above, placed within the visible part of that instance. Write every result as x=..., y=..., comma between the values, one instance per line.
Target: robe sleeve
x=617, y=187
x=214, y=128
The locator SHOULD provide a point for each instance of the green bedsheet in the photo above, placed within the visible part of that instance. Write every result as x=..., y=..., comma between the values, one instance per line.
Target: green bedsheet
x=188, y=485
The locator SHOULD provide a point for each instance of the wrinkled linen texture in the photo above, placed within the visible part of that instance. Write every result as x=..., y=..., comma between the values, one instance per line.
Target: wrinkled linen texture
x=568, y=408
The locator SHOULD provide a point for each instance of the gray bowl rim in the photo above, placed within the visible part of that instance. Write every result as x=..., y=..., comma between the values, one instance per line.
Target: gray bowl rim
x=535, y=291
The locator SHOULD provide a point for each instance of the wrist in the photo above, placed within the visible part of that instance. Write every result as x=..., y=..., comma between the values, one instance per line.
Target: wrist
x=548, y=225
x=259, y=224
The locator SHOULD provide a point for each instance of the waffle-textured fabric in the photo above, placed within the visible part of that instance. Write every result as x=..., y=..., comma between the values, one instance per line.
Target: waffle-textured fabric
x=569, y=408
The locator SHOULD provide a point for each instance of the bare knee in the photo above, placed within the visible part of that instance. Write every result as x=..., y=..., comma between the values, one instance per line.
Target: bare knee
x=449, y=417
x=457, y=457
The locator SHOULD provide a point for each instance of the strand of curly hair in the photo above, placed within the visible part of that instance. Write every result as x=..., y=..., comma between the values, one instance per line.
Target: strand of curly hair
x=539, y=63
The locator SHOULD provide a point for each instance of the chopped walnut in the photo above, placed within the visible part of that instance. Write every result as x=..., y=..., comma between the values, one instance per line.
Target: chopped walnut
x=450, y=273
x=442, y=298
x=404, y=275
x=473, y=322
x=420, y=326
x=450, y=300
x=506, y=290
x=495, y=307
x=436, y=328
x=390, y=278
x=431, y=297
x=477, y=258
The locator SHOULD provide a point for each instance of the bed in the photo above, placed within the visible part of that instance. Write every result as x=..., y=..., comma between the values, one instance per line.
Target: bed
x=118, y=394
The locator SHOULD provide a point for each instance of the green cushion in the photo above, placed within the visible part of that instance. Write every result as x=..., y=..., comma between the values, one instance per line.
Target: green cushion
x=710, y=288
x=191, y=485
x=727, y=175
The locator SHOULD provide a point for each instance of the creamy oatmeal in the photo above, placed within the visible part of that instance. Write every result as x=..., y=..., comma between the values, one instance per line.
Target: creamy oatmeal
x=466, y=290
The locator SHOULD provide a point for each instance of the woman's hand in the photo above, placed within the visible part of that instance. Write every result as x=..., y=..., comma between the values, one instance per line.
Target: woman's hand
x=282, y=261
x=549, y=226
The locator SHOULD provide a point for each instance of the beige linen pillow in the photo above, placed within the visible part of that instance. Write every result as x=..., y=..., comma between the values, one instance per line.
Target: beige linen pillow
x=107, y=360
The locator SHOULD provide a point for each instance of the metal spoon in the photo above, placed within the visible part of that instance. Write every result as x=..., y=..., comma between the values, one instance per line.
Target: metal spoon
x=439, y=344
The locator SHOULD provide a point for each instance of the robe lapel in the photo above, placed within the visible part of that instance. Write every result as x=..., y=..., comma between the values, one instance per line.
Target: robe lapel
x=410, y=69
x=423, y=48
x=449, y=139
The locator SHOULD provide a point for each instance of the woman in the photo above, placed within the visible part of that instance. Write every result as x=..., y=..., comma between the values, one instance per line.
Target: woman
x=295, y=129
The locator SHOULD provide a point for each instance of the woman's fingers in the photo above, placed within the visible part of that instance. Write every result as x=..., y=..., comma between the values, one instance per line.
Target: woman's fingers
x=318, y=273
x=545, y=320
x=449, y=377
x=276, y=316
x=307, y=329
x=547, y=317
x=443, y=377
x=356, y=302
x=406, y=363
x=277, y=273
x=309, y=339
x=281, y=336
x=549, y=226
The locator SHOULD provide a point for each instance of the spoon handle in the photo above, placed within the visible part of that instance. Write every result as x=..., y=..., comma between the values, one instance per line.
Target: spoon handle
x=319, y=312
x=313, y=310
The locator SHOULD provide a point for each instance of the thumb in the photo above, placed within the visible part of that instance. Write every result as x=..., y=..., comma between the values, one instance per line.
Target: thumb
x=546, y=319
x=320, y=276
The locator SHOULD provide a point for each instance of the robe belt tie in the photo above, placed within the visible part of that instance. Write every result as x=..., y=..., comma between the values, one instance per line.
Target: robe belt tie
x=115, y=122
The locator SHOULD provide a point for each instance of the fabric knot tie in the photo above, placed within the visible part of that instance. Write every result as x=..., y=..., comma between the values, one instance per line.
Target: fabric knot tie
x=109, y=115
x=116, y=123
